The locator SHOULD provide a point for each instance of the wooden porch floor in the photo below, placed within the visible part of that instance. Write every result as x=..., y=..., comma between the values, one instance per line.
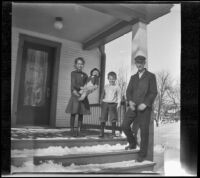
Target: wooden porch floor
x=45, y=132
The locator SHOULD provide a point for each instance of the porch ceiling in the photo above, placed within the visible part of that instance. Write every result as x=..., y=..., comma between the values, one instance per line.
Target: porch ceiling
x=89, y=24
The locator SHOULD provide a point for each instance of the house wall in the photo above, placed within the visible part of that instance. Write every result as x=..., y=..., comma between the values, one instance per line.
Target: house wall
x=69, y=51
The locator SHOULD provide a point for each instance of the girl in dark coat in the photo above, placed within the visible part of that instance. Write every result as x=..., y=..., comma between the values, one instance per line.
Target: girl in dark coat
x=78, y=80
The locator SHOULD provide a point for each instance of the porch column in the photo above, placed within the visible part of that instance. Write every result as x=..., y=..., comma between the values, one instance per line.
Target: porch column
x=139, y=47
x=102, y=69
x=139, y=44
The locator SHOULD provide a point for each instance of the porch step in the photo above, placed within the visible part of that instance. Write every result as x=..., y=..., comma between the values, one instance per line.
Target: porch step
x=80, y=159
x=72, y=142
x=141, y=168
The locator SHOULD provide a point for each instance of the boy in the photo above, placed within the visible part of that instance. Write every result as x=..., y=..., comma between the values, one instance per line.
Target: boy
x=110, y=103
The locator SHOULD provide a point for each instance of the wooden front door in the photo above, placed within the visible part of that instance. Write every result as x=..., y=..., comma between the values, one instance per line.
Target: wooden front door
x=35, y=84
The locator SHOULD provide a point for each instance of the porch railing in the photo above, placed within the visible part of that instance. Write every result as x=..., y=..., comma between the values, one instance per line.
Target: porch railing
x=93, y=120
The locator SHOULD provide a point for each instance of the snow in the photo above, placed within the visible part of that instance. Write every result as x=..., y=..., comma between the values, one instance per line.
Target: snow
x=166, y=145
x=60, y=151
x=49, y=166
x=173, y=168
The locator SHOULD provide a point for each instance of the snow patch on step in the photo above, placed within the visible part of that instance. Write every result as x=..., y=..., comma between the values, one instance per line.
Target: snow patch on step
x=60, y=151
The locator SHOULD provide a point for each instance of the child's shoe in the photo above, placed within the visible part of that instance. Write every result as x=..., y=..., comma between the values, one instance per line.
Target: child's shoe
x=113, y=129
x=101, y=135
x=130, y=147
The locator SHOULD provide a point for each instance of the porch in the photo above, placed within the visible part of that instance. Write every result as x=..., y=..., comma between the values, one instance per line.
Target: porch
x=33, y=26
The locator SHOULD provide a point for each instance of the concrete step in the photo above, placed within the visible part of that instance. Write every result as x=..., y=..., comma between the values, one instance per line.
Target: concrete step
x=80, y=159
x=71, y=142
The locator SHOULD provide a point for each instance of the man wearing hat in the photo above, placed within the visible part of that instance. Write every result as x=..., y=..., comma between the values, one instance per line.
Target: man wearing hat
x=141, y=93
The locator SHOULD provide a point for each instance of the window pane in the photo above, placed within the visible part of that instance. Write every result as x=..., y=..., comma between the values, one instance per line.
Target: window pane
x=35, y=78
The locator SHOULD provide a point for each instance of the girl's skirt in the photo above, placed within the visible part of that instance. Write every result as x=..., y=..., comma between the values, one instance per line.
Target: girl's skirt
x=78, y=107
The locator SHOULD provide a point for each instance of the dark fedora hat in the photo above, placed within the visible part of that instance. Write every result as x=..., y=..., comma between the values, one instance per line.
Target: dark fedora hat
x=140, y=58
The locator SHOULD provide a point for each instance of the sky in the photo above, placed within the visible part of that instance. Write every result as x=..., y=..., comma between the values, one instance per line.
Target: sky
x=163, y=45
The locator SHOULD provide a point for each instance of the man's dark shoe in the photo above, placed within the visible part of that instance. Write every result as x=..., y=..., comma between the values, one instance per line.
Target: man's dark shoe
x=140, y=159
x=130, y=147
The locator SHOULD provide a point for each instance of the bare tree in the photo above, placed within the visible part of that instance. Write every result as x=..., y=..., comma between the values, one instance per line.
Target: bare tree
x=164, y=82
x=174, y=95
x=122, y=81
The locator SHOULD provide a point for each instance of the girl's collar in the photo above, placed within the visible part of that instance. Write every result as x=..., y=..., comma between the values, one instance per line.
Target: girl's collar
x=79, y=71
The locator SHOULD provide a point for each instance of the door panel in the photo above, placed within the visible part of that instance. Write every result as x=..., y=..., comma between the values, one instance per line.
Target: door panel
x=35, y=84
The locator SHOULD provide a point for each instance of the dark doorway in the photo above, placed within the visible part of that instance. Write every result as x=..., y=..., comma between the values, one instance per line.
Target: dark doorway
x=35, y=87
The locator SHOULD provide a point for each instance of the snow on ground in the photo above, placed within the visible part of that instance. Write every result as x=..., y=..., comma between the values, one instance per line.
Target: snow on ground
x=173, y=168
x=53, y=167
x=59, y=151
x=166, y=145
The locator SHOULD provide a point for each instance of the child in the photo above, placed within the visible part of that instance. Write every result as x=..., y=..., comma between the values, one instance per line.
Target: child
x=111, y=99
x=91, y=85
x=76, y=107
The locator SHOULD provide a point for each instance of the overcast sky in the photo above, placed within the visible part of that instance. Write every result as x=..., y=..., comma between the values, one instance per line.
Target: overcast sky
x=164, y=45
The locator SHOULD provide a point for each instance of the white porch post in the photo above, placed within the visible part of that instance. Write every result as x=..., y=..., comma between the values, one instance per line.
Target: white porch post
x=139, y=43
x=139, y=47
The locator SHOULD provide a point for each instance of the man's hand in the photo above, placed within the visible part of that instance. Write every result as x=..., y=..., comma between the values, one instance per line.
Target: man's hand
x=131, y=103
x=142, y=107
x=132, y=107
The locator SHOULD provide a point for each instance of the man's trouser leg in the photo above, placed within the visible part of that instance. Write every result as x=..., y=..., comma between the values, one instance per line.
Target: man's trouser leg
x=144, y=121
x=126, y=127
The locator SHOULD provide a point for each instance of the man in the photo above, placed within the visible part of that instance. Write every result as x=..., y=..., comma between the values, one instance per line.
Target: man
x=141, y=93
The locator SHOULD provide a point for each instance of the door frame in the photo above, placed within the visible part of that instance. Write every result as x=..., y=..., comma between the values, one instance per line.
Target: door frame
x=54, y=86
